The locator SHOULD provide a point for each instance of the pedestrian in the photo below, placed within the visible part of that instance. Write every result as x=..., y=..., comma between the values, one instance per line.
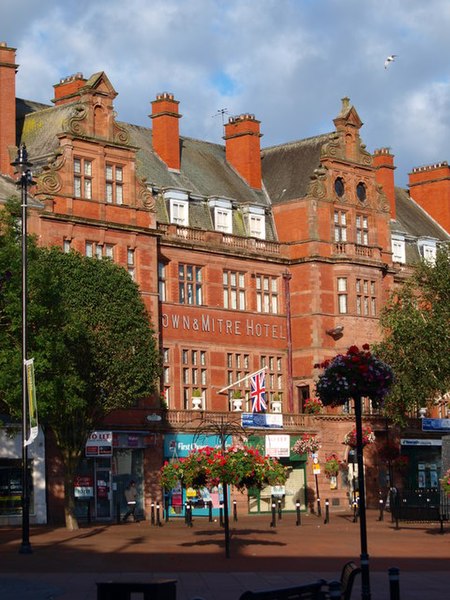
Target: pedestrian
x=131, y=498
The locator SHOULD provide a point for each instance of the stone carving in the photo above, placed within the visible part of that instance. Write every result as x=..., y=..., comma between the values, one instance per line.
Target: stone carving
x=382, y=201
x=49, y=180
x=333, y=148
x=74, y=123
x=317, y=185
x=120, y=135
x=145, y=195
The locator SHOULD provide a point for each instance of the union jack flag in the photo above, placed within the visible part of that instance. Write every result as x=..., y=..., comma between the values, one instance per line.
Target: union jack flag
x=258, y=392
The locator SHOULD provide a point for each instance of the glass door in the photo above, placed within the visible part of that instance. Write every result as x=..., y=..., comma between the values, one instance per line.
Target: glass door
x=103, y=493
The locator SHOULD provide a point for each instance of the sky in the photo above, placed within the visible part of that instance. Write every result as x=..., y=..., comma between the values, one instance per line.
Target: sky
x=288, y=62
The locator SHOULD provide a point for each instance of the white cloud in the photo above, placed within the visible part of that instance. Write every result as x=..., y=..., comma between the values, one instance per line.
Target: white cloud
x=287, y=61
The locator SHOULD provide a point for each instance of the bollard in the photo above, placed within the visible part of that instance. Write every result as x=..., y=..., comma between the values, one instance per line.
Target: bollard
x=166, y=509
x=210, y=511
x=273, y=523
x=327, y=511
x=355, y=511
x=381, y=505
x=299, y=519
x=221, y=515
x=319, y=510
x=280, y=514
x=158, y=516
x=394, y=583
x=152, y=513
x=189, y=513
x=235, y=510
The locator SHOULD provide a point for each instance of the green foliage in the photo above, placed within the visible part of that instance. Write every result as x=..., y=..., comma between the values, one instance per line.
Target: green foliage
x=244, y=467
x=416, y=342
x=88, y=332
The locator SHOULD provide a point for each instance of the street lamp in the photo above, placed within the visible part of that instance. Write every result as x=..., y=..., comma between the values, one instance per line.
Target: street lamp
x=22, y=167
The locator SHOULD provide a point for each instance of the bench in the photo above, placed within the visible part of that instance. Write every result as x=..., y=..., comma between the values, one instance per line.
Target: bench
x=348, y=574
x=320, y=590
x=162, y=589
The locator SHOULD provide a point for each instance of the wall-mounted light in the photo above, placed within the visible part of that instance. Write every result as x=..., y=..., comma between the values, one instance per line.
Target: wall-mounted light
x=336, y=332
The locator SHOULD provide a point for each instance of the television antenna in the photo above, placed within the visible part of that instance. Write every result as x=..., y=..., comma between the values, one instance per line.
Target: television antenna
x=221, y=112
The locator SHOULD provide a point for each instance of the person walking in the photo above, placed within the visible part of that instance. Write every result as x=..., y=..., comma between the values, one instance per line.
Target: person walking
x=131, y=498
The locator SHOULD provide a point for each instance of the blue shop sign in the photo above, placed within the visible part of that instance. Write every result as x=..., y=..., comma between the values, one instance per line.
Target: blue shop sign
x=436, y=425
x=177, y=445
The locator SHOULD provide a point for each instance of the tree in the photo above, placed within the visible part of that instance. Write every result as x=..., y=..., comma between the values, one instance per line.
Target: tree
x=90, y=337
x=416, y=328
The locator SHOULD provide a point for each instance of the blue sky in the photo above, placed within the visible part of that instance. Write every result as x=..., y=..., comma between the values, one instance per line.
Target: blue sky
x=289, y=62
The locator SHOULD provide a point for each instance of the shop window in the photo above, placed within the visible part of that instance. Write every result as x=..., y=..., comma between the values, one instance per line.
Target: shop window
x=11, y=486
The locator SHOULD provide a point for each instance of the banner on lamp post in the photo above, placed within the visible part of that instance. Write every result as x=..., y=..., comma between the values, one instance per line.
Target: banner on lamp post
x=32, y=404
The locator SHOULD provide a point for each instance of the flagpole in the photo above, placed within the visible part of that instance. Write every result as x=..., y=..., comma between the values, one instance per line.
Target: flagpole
x=241, y=380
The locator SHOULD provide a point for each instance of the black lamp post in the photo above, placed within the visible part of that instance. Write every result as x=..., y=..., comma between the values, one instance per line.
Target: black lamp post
x=22, y=167
x=365, y=577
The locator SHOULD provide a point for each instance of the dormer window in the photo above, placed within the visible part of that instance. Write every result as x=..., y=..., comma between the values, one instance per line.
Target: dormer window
x=178, y=207
x=255, y=219
x=222, y=214
x=427, y=249
x=398, y=250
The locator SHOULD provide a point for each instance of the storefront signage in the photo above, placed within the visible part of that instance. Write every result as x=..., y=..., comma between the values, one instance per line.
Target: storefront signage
x=418, y=442
x=177, y=445
x=83, y=487
x=436, y=425
x=262, y=420
x=99, y=443
x=207, y=324
x=278, y=446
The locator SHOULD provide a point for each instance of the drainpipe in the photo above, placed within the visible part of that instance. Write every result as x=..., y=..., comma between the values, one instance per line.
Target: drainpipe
x=287, y=294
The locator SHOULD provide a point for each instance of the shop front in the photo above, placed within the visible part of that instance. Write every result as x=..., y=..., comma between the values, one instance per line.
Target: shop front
x=112, y=460
x=178, y=445
x=294, y=490
x=11, y=476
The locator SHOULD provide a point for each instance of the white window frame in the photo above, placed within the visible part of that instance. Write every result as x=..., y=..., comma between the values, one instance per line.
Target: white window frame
x=398, y=250
x=255, y=219
x=178, y=207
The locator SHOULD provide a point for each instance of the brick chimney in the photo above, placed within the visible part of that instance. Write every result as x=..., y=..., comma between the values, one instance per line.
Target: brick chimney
x=243, y=149
x=8, y=69
x=383, y=161
x=166, y=131
x=67, y=90
x=430, y=187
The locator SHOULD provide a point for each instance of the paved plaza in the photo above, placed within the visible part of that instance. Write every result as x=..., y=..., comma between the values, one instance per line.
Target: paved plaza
x=66, y=565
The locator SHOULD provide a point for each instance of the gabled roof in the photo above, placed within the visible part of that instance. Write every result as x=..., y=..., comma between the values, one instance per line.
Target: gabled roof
x=287, y=168
x=413, y=221
x=204, y=170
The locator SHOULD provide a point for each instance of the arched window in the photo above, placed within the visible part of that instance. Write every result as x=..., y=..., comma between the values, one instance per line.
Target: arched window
x=361, y=192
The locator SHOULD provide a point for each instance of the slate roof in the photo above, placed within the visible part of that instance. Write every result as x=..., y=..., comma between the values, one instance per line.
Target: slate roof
x=287, y=168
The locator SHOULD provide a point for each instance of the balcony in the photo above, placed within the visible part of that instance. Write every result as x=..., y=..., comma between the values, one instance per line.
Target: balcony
x=347, y=250
x=234, y=242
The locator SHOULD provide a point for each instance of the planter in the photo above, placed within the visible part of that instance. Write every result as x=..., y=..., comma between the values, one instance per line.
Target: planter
x=237, y=404
x=196, y=402
x=276, y=406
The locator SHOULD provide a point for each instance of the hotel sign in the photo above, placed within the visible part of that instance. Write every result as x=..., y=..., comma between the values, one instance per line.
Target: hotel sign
x=205, y=323
x=442, y=425
x=262, y=420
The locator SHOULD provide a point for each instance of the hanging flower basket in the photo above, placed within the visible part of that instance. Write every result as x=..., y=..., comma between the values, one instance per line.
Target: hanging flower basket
x=243, y=467
x=445, y=482
x=313, y=406
x=355, y=374
x=307, y=444
x=368, y=437
x=332, y=465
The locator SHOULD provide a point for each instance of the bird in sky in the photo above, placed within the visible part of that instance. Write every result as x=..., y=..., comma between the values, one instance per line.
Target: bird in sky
x=389, y=59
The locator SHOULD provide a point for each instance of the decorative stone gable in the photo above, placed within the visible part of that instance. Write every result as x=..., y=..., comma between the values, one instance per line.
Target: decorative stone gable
x=93, y=114
x=346, y=143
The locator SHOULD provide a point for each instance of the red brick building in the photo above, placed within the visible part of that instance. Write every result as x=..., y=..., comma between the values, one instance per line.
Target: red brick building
x=246, y=258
